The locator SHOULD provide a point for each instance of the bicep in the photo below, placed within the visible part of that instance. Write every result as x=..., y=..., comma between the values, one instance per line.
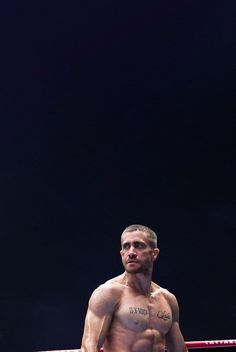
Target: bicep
x=95, y=330
x=174, y=339
x=98, y=319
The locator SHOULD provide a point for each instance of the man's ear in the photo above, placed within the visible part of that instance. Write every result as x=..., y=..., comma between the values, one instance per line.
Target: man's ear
x=156, y=252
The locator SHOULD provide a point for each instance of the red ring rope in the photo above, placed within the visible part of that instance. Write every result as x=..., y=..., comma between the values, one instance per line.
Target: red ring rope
x=211, y=343
x=189, y=344
x=207, y=344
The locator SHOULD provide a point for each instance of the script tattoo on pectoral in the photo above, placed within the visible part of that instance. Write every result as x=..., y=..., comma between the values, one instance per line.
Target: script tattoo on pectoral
x=137, y=310
x=161, y=314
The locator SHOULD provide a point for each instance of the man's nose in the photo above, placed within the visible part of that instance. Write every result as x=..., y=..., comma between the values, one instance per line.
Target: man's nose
x=132, y=252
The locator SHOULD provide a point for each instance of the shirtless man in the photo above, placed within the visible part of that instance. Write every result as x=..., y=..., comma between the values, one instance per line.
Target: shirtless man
x=131, y=313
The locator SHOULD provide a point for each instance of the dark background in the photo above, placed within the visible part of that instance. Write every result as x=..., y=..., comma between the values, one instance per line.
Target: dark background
x=114, y=113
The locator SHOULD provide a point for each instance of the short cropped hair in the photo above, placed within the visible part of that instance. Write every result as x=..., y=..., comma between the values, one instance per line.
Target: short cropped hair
x=152, y=237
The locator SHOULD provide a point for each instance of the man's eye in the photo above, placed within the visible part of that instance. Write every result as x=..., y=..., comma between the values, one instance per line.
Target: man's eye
x=139, y=245
x=125, y=246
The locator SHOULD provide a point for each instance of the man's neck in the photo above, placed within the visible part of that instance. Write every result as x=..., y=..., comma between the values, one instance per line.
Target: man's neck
x=139, y=281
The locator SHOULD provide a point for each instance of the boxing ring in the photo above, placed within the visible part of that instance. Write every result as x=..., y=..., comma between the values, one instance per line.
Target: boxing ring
x=190, y=345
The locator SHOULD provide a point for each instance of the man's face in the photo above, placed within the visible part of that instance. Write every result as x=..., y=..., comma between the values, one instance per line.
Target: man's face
x=136, y=254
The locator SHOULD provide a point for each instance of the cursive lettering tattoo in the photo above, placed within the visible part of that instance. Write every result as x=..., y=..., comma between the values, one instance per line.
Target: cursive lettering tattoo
x=163, y=315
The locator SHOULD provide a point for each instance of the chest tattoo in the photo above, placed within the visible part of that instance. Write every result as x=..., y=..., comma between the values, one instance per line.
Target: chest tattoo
x=137, y=310
x=161, y=314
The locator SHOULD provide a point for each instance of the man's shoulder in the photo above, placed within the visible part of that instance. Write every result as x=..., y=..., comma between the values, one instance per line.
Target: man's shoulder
x=116, y=281
x=166, y=293
x=112, y=288
x=106, y=297
x=170, y=298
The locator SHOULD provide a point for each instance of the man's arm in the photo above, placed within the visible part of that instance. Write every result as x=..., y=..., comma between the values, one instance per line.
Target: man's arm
x=174, y=338
x=101, y=306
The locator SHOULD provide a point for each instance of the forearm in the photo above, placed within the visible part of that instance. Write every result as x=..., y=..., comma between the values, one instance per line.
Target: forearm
x=89, y=346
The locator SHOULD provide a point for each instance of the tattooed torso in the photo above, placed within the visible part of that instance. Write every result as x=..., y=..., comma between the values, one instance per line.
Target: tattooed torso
x=140, y=323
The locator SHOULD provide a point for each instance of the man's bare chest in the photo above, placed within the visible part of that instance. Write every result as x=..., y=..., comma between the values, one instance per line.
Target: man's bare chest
x=139, y=313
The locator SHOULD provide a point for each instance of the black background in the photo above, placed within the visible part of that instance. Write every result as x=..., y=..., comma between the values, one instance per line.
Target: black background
x=114, y=113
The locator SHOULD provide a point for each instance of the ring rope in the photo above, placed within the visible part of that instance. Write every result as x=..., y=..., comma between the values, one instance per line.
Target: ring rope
x=206, y=344
x=189, y=344
x=211, y=344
